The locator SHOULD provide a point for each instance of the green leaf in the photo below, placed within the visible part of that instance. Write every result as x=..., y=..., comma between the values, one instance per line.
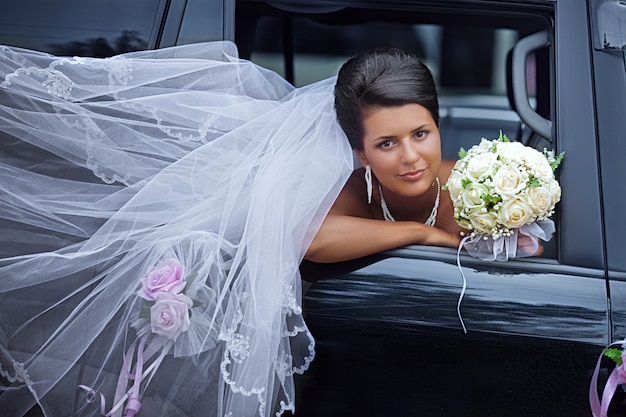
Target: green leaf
x=144, y=313
x=462, y=153
x=189, y=280
x=491, y=200
x=465, y=183
x=503, y=138
x=615, y=355
x=555, y=164
x=533, y=182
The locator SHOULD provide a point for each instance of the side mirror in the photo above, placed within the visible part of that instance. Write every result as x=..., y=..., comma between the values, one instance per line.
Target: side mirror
x=609, y=25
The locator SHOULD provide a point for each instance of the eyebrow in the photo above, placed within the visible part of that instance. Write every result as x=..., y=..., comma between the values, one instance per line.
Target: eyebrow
x=388, y=137
x=383, y=138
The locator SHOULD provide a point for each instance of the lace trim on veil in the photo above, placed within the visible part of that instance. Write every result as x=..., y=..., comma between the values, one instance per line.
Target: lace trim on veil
x=160, y=203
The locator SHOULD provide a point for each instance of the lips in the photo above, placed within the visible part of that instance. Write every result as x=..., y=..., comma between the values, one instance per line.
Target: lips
x=413, y=175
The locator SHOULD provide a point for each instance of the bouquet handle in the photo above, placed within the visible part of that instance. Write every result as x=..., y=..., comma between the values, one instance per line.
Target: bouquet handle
x=504, y=248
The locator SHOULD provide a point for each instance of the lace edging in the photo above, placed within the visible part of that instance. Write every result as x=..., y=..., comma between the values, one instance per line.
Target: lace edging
x=20, y=375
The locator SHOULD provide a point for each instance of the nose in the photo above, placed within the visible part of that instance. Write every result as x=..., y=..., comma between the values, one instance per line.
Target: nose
x=410, y=152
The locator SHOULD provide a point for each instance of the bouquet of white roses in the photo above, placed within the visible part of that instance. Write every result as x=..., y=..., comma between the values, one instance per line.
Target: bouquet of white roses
x=500, y=188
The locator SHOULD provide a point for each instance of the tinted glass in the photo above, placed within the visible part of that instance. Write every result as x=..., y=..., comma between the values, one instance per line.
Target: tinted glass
x=202, y=21
x=465, y=58
x=79, y=27
x=468, y=58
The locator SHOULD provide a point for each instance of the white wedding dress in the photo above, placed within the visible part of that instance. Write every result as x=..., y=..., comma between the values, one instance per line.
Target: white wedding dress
x=155, y=208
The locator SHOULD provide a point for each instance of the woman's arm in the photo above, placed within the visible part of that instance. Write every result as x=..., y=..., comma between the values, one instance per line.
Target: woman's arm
x=343, y=237
x=350, y=230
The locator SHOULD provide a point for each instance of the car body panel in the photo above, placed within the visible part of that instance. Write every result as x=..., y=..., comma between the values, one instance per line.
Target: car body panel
x=389, y=337
x=412, y=288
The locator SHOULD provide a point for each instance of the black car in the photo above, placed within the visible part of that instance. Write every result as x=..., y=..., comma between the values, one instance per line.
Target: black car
x=551, y=74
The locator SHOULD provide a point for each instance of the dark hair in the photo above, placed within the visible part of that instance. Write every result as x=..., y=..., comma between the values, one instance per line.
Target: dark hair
x=383, y=77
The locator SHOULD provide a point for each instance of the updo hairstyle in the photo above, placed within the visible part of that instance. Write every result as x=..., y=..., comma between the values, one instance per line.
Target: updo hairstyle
x=385, y=77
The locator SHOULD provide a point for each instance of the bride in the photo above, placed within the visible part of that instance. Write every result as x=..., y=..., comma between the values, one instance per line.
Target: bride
x=156, y=207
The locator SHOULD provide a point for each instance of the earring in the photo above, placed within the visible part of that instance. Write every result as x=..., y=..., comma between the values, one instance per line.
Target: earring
x=368, y=182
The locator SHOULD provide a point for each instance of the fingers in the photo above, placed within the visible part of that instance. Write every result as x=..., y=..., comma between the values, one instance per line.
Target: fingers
x=529, y=246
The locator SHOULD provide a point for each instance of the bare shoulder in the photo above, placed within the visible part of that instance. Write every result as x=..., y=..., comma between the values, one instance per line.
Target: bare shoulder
x=352, y=200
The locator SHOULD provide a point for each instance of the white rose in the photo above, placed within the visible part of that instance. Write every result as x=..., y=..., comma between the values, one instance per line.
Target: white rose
x=538, y=163
x=483, y=222
x=555, y=191
x=540, y=200
x=508, y=181
x=514, y=213
x=470, y=197
x=510, y=150
x=481, y=164
x=455, y=184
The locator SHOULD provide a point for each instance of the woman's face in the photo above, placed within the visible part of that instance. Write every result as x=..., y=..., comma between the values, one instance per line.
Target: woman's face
x=401, y=145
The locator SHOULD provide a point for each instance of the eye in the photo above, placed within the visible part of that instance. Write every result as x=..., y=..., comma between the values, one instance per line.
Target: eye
x=420, y=134
x=385, y=144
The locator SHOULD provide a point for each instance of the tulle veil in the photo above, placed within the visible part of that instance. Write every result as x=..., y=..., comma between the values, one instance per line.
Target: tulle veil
x=185, y=161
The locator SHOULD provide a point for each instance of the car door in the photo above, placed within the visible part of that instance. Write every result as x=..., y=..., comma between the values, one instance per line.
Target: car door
x=609, y=71
x=390, y=333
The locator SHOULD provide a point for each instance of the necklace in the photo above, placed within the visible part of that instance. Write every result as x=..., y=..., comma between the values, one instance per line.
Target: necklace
x=430, y=221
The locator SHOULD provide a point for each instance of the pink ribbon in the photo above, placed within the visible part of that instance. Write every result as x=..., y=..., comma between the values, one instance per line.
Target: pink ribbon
x=600, y=408
x=133, y=405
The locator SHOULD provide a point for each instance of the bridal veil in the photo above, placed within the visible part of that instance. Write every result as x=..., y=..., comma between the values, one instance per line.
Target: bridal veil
x=155, y=207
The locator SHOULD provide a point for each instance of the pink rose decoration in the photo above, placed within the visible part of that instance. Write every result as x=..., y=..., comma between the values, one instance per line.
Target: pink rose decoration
x=167, y=277
x=169, y=316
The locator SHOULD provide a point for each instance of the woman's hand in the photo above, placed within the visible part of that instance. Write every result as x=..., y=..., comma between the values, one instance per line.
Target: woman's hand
x=439, y=237
x=527, y=246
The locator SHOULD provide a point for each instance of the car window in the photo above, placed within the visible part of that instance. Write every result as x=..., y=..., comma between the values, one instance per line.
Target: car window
x=470, y=59
x=464, y=59
x=203, y=21
x=97, y=28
